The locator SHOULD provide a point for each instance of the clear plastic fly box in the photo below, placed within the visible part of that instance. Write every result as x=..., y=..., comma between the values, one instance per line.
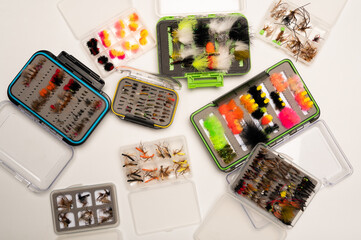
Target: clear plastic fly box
x=203, y=47
x=300, y=27
x=162, y=196
x=56, y=102
x=111, y=32
x=268, y=195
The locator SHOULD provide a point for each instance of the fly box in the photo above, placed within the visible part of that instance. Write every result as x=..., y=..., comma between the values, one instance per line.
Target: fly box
x=276, y=186
x=300, y=27
x=84, y=208
x=204, y=47
x=268, y=108
x=112, y=33
x=158, y=175
x=61, y=95
x=146, y=99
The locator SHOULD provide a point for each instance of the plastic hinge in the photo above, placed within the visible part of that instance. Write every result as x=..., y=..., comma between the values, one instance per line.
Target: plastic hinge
x=140, y=121
x=16, y=175
x=325, y=182
x=81, y=71
x=39, y=122
x=293, y=131
x=285, y=156
x=204, y=79
x=28, y=114
x=300, y=128
x=205, y=15
x=19, y=177
x=7, y=168
x=22, y=180
x=51, y=131
x=150, y=76
x=280, y=140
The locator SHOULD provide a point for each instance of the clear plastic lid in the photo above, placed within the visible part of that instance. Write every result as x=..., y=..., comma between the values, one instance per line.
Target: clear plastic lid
x=257, y=220
x=157, y=79
x=83, y=16
x=186, y=7
x=29, y=152
x=325, y=10
x=103, y=234
x=228, y=220
x=154, y=209
x=314, y=149
x=317, y=151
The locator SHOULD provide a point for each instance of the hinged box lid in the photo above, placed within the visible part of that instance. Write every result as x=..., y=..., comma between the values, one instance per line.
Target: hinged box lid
x=165, y=208
x=228, y=220
x=28, y=151
x=316, y=150
x=153, y=78
x=113, y=234
x=187, y=7
x=93, y=13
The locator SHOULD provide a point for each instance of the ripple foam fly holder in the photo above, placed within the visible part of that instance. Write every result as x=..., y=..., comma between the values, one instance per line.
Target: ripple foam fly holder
x=204, y=49
x=268, y=108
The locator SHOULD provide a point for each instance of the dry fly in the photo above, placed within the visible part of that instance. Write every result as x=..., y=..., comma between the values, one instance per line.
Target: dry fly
x=83, y=199
x=87, y=216
x=128, y=163
x=166, y=151
x=278, y=10
x=178, y=152
x=134, y=176
x=128, y=156
x=159, y=151
x=104, y=197
x=164, y=172
x=181, y=167
x=63, y=219
x=109, y=215
x=65, y=204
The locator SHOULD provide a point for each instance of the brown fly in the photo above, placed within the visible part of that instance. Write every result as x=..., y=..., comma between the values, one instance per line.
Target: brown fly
x=108, y=215
x=178, y=152
x=166, y=151
x=159, y=151
x=128, y=156
x=129, y=163
x=65, y=204
x=83, y=199
x=268, y=29
x=87, y=216
x=104, y=197
x=164, y=172
x=134, y=176
x=63, y=219
x=279, y=10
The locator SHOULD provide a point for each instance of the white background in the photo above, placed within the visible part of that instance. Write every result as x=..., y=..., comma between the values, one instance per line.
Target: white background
x=333, y=79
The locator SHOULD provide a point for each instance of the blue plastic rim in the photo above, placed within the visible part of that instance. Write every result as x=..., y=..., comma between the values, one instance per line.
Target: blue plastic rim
x=86, y=135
